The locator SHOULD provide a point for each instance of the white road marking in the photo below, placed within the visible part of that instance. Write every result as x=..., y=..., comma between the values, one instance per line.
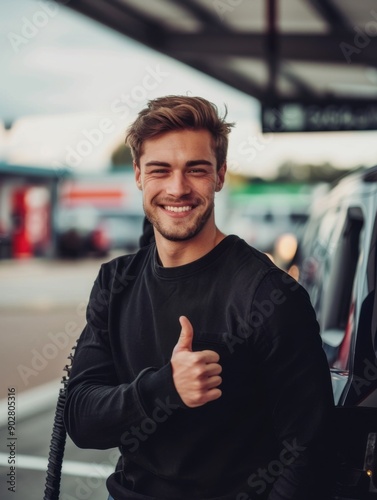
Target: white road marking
x=70, y=467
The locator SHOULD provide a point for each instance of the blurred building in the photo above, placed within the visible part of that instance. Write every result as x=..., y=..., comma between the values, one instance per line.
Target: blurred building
x=28, y=206
x=45, y=212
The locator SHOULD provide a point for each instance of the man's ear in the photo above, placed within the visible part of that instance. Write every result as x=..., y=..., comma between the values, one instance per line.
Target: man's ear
x=137, y=175
x=221, y=177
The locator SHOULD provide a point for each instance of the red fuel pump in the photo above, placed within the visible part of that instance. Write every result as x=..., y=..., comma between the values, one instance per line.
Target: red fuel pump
x=21, y=244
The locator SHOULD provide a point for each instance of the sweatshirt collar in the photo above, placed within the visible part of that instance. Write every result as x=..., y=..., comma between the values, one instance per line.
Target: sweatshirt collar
x=196, y=265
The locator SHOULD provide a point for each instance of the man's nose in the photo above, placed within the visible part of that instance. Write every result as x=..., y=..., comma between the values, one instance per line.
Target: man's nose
x=178, y=185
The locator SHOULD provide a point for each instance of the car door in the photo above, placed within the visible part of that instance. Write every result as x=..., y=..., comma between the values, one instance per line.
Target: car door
x=338, y=268
x=355, y=417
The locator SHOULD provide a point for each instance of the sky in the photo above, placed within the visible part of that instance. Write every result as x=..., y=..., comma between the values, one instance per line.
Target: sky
x=75, y=80
x=71, y=86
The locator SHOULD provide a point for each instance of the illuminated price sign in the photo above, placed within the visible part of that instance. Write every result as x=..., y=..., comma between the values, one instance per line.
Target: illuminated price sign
x=319, y=117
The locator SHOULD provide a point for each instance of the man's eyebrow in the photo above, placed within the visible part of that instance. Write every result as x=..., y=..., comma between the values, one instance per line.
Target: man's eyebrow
x=193, y=163
x=156, y=163
x=190, y=163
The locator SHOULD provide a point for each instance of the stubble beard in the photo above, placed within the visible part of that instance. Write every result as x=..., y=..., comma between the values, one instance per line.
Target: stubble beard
x=183, y=231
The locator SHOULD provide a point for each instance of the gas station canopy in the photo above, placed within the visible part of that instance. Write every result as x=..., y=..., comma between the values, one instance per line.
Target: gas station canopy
x=33, y=174
x=312, y=64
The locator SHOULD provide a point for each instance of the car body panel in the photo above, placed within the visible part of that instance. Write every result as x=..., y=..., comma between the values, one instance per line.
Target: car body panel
x=337, y=263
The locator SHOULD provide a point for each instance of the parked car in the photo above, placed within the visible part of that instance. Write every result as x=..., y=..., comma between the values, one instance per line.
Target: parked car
x=260, y=225
x=337, y=260
x=81, y=232
x=5, y=243
x=124, y=229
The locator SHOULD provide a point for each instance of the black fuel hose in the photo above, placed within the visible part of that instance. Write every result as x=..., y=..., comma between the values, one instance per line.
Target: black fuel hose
x=58, y=440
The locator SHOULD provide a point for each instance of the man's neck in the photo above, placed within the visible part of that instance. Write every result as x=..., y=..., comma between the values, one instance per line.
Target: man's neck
x=179, y=253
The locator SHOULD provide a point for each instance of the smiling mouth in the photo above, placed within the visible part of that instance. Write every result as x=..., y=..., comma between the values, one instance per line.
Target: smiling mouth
x=185, y=208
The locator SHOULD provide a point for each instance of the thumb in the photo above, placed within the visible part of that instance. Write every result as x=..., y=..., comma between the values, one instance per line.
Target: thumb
x=187, y=333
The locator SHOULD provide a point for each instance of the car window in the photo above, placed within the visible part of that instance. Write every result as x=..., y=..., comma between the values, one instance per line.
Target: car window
x=328, y=273
x=318, y=247
x=345, y=255
x=371, y=281
x=363, y=385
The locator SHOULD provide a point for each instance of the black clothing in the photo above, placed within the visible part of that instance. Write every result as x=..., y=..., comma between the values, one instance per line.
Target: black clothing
x=264, y=435
x=147, y=235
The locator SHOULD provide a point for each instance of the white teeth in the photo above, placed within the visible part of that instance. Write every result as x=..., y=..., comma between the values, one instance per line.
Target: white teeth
x=178, y=209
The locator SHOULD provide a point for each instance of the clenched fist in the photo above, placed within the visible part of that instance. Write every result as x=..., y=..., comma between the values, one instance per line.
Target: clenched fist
x=195, y=374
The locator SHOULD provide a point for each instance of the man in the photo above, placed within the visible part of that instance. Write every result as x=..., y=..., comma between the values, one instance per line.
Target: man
x=200, y=360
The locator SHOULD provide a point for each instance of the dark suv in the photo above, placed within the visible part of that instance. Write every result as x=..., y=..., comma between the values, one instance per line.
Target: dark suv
x=337, y=264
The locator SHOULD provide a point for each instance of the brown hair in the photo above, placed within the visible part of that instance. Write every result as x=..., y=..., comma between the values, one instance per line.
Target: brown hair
x=169, y=113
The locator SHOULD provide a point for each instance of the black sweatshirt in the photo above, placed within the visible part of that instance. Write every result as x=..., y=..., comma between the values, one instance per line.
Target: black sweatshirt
x=263, y=438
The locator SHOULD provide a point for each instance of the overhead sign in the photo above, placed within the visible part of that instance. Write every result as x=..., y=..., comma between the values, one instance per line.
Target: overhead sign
x=319, y=116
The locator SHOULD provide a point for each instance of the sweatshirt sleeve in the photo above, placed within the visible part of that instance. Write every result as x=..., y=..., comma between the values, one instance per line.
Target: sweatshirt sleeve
x=296, y=379
x=99, y=410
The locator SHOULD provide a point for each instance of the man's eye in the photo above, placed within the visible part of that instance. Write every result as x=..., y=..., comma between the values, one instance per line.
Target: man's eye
x=159, y=171
x=197, y=171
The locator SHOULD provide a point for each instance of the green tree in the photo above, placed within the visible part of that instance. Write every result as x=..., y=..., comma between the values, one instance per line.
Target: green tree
x=121, y=158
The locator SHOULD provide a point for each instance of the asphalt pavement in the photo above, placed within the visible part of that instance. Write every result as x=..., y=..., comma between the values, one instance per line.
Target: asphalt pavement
x=42, y=312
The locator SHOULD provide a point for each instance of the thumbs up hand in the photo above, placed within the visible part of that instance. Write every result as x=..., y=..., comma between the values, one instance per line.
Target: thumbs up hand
x=195, y=374
x=186, y=336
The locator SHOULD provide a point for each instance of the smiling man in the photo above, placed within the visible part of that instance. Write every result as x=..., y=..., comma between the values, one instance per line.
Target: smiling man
x=200, y=360
x=178, y=175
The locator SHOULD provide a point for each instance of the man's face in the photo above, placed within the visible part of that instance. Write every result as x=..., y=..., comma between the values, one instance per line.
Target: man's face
x=178, y=177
